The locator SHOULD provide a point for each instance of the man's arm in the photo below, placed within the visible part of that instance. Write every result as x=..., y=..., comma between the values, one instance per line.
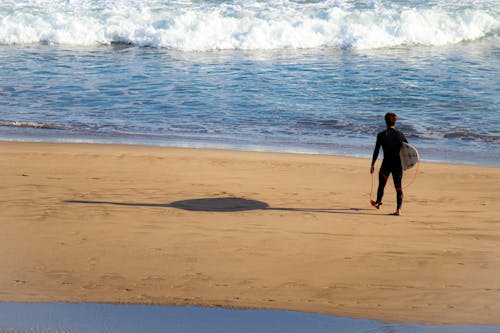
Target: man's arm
x=375, y=154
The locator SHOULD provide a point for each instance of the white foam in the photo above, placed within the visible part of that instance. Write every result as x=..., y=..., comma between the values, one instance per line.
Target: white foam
x=28, y=124
x=246, y=24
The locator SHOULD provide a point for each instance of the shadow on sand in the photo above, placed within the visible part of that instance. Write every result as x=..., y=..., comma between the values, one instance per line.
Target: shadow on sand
x=224, y=204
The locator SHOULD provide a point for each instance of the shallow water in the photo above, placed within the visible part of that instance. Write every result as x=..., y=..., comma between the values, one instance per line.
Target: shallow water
x=320, y=101
x=107, y=318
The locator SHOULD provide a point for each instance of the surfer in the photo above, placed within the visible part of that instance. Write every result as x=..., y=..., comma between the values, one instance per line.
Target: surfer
x=390, y=140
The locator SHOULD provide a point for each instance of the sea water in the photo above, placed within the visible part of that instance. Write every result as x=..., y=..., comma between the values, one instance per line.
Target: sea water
x=312, y=76
x=109, y=318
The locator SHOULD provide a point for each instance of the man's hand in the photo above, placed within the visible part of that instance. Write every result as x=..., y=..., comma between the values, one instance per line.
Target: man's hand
x=372, y=169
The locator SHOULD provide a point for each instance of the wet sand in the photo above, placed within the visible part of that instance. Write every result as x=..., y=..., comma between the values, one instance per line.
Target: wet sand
x=146, y=225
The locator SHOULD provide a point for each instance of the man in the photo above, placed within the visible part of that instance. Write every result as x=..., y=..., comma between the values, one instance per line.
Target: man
x=391, y=141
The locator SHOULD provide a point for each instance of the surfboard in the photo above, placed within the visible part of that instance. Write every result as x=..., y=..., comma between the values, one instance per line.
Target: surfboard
x=409, y=156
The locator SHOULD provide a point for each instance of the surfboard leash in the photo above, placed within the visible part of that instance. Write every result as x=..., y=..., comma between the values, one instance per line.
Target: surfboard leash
x=417, y=165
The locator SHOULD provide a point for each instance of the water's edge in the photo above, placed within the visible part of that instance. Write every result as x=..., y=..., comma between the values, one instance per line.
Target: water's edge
x=95, y=317
x=353, y=153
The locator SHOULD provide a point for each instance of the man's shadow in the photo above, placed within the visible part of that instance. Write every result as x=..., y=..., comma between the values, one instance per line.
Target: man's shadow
x=223, y=204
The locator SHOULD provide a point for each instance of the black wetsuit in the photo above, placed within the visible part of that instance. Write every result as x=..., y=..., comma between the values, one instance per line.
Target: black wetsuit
x=391, y=141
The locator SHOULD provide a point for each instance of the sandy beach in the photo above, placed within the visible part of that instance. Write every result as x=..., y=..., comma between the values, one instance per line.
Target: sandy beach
x=150, y=225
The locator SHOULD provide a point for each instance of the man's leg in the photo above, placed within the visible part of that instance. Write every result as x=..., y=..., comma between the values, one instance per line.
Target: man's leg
x=397, y=176
x=382, y=180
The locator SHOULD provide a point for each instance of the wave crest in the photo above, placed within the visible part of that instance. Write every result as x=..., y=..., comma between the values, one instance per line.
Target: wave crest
x=467, y=135
x=247, y=25
x=28, y=124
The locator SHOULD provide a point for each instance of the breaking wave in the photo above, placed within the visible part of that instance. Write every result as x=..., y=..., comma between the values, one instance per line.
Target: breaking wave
x=28, y=124
x=467, y=135
x=247, y=24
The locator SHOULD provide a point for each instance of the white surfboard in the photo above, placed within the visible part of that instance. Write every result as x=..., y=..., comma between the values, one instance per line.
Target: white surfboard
x=409, y=156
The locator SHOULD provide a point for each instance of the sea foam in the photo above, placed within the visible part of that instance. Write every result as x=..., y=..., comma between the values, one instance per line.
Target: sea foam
x=246, y=24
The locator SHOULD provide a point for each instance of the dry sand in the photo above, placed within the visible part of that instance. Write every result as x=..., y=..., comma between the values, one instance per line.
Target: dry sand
x=124, y=224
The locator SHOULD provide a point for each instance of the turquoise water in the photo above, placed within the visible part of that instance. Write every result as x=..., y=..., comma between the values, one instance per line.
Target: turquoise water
x=107, y=318
x=314, y=76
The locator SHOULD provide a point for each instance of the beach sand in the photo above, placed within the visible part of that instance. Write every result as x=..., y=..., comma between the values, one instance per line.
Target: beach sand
x=150, y=225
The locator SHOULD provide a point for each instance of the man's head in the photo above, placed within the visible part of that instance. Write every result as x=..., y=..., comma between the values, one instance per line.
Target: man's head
x=390, y=119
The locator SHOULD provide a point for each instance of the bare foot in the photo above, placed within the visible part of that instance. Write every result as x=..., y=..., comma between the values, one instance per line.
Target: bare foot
x=375, y=204
x=397, y=213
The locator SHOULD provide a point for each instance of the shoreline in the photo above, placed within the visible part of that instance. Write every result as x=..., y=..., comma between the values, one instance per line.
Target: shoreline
x=156, y=225
x=356, y=153
x=125, y=318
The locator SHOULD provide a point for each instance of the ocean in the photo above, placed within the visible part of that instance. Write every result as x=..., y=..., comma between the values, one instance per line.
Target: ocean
x=308, y=76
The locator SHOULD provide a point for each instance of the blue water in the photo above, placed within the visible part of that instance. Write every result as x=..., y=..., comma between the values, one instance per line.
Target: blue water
x=313, y=76
x=108, y=318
